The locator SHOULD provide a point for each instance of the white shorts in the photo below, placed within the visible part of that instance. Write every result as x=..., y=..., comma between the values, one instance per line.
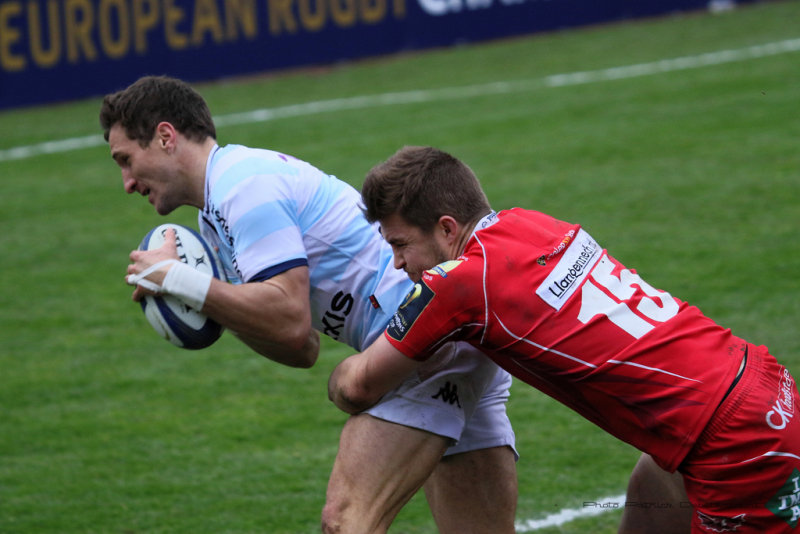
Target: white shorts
x=460, y=394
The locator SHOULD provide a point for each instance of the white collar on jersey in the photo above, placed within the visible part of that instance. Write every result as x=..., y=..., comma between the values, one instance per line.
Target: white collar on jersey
x=486, y=222
x=211, y=155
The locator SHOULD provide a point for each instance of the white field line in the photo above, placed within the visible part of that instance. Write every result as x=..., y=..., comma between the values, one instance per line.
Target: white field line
x=570, y=514
x=446, y=93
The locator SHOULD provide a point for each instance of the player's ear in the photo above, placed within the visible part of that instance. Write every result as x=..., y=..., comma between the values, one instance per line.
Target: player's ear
x=166, y=135
x=449, y=227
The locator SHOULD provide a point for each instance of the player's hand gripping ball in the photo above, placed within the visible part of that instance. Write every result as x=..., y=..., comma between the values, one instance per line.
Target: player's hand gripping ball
x=171, y=318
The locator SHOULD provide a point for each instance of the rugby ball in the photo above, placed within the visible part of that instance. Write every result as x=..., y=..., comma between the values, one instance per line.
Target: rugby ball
x=173, y=320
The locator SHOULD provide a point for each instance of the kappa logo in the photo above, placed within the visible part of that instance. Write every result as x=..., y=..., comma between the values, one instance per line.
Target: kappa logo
x=449, y=394
x=721, y=524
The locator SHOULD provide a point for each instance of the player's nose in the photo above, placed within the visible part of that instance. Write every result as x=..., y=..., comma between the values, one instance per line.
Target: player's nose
x=128, y=182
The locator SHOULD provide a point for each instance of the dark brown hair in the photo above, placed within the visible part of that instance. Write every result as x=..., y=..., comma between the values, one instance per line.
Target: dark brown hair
x=421, y=184
x=153, y=99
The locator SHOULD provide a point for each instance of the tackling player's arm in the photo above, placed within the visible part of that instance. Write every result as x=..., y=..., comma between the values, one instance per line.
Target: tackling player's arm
x=272, y=317
x=358, y=382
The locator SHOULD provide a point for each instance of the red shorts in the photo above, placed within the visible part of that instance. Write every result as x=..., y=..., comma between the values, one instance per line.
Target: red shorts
x=743, y=474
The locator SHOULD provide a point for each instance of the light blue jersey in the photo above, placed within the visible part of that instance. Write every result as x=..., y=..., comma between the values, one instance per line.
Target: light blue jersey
x=268, y=212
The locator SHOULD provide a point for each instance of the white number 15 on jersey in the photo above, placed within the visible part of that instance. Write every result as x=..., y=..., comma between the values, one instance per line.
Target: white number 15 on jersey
x=656, y=307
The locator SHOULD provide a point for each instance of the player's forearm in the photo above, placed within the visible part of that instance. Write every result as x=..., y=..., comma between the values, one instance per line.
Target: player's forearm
x=346, y=388
x=305, y=357
x=267, y=320
x=361, y=380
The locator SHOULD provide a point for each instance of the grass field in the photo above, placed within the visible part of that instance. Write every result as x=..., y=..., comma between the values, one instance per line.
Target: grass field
x=691, y=175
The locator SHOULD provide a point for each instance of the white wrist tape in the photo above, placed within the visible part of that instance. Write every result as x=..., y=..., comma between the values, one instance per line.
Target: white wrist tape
x=181, y=281
x=141, y=278
x=188, y=284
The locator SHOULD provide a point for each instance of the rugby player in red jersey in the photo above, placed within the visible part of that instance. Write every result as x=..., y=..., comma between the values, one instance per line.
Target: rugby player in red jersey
x=550, y=305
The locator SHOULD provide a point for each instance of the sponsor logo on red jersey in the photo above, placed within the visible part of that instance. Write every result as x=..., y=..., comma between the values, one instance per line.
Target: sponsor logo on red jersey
x=786, y=503
x=442, y=269
x=713, y=523
x=783, y=409
x=571, y=270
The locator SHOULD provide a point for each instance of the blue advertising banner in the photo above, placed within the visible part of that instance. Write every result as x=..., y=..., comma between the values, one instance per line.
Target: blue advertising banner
x=52, y=50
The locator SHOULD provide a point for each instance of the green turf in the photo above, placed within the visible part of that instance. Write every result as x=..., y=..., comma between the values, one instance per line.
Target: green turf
x=691, y=177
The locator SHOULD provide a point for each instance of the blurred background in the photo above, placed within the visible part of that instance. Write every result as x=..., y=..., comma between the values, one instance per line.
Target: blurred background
x=59, y=50
x=667, y=129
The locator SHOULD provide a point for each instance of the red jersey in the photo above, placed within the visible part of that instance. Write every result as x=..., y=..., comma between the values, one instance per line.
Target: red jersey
x=548, y=304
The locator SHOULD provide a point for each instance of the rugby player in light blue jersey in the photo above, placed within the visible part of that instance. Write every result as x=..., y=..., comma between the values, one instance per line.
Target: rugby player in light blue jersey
x=303, y=259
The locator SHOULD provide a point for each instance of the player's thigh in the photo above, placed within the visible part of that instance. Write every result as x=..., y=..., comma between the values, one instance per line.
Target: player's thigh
x=656, y=501
x=380, y=465
x=475, y=492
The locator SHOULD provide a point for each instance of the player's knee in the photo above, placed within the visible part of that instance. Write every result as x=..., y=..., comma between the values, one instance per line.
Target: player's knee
x=338, y=516
x=332, y=518
x=341, y=516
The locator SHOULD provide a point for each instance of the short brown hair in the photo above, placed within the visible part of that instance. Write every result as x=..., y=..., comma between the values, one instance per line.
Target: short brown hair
x=421, y=184
x=153, y=99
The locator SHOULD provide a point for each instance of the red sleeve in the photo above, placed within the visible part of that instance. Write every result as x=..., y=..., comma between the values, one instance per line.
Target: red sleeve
x=446, y=305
